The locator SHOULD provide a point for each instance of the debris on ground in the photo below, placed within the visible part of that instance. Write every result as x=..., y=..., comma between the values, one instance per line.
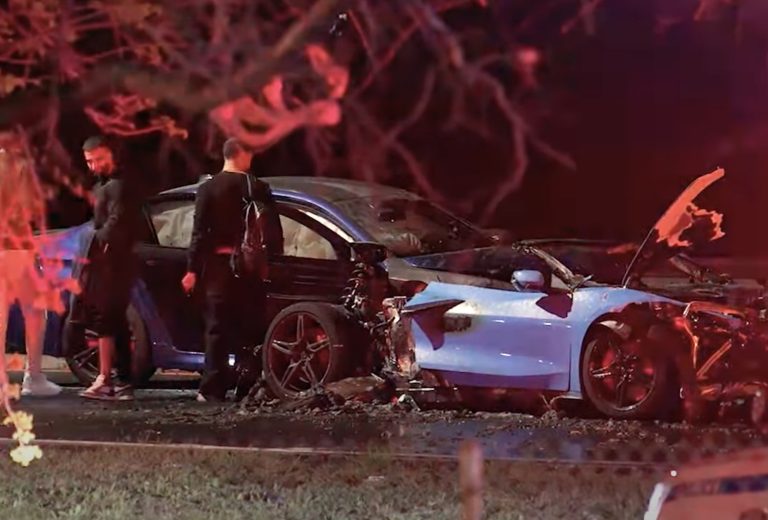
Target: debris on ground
x=342, y=394
x=368, y=389
x=407, y=402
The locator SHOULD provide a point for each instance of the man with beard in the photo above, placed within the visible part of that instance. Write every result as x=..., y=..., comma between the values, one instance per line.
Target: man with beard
x=112, y=267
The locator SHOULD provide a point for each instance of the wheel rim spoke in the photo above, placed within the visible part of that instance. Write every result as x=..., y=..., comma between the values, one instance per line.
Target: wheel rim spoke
x=621, y=391
x=317, y=346
x=289, y=373
x=603, y=372
x=310, y=373
x=293, y=362
x=299, y=327
x=81, y=357
x=629, y=377
x=284, y=347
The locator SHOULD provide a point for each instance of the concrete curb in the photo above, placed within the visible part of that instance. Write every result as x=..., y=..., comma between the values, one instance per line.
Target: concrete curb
x=310, y=451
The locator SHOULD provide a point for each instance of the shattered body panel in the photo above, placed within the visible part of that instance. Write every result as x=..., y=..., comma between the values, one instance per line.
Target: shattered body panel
x=701, y=329
x=526, y=340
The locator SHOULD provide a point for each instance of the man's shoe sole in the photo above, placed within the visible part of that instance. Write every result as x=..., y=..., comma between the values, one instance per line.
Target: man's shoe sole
x=97, y=397
x=28, y=393
x=208, y=399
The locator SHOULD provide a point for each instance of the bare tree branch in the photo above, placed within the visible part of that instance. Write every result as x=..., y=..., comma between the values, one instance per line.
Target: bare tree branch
x=262, y=69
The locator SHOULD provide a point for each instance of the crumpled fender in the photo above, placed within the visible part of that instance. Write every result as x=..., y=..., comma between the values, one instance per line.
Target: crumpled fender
x=430, y=316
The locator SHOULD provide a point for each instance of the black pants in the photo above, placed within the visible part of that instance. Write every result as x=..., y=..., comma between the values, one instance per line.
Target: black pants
x=234, y=317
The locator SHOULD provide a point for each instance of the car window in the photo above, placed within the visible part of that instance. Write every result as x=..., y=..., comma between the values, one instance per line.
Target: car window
x=173, y=220
x=328, y=224
x=412, y=226
x=301, y=241
x=145, y=234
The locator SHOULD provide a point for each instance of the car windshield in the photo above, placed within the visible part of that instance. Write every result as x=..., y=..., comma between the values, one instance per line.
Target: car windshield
x=412, y=227
x=609, y=268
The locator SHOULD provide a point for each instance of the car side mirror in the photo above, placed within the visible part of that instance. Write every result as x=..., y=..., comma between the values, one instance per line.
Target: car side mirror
x=528, y=279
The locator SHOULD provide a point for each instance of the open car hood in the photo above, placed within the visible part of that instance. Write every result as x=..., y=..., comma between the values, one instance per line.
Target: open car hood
x=683, y=226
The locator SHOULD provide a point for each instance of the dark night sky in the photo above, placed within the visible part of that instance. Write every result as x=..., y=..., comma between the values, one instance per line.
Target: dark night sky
x=643, y=115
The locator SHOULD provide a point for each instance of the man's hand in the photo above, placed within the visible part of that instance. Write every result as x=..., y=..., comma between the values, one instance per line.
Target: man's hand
x=188, y=282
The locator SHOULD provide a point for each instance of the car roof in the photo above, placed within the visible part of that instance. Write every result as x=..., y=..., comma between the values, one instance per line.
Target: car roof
x=330, y=189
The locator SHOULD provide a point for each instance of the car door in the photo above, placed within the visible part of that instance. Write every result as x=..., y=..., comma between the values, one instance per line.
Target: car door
x=315, y=265
x=495, y=337
x=163, y=259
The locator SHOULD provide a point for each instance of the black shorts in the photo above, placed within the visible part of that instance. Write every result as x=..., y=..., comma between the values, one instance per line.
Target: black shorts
x=106, y=295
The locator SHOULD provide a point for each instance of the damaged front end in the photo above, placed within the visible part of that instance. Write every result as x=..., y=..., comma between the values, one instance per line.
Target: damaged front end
x=720, y=353
x=729, y=352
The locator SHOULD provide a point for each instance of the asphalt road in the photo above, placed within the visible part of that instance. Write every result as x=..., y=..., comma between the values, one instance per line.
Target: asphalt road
x=168, y=413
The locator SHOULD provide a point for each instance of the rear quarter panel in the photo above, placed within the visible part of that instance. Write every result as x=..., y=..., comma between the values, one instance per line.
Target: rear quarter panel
x=520, y=339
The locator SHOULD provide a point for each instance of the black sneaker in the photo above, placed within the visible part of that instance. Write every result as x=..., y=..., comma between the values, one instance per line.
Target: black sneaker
x=100, y=390
x=122, y=391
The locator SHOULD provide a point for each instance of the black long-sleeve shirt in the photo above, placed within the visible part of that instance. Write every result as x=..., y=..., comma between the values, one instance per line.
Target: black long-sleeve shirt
x=219, y=219
x=117, y=218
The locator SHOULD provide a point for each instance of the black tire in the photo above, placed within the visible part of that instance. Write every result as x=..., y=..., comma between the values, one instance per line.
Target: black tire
x=82, y=357
x=288, y=347
x=644, y=371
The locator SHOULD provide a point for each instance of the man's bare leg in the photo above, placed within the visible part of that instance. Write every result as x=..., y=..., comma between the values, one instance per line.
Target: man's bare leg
x=102, y=387
x=106, y=355
x=121, y=390
x=35, y=383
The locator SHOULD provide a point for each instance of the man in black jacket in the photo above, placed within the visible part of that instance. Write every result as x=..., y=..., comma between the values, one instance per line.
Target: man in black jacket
x=218, y=229
x=112, y=267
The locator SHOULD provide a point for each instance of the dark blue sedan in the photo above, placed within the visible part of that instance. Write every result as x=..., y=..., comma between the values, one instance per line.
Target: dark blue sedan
x=321, y=218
